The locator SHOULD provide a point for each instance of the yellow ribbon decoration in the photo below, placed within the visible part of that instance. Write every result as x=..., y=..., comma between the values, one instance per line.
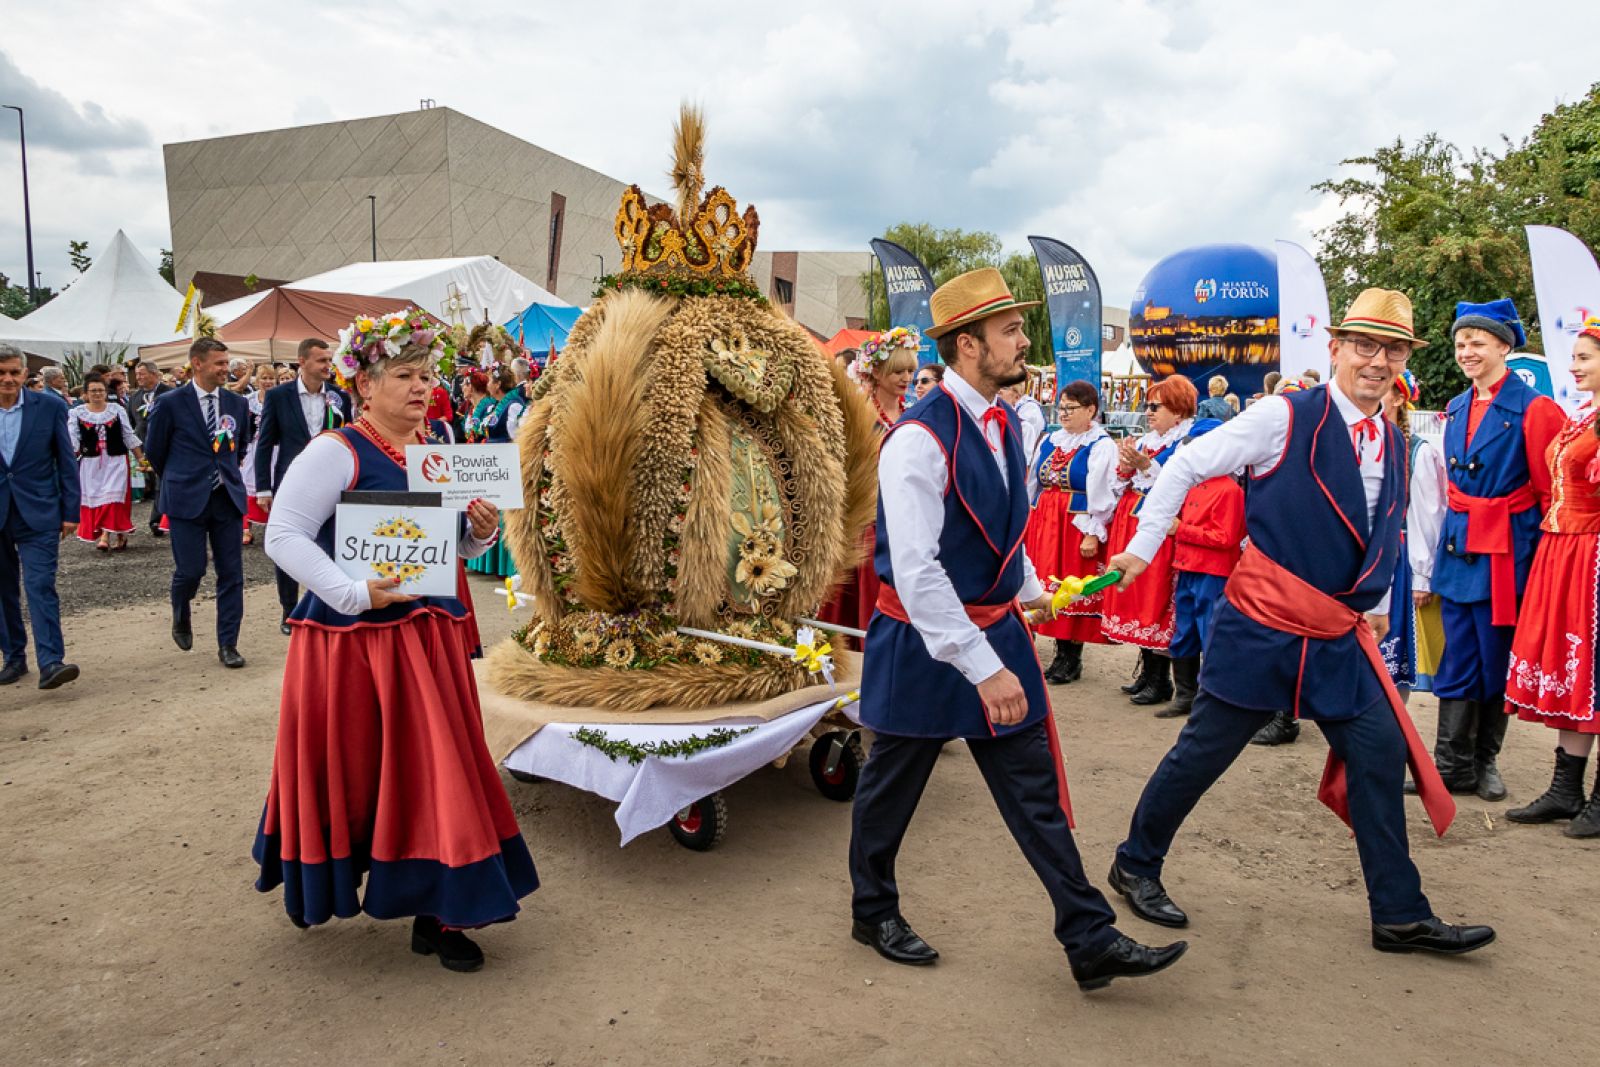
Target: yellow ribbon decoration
x=511, y=596
x=813, y=657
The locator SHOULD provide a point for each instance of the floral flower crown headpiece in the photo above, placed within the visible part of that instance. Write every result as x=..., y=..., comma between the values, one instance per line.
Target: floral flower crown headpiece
x=878, y=349
x=1409, y=388
x=373, y=338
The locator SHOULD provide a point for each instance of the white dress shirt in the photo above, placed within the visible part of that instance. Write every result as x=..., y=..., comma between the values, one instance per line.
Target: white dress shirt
x=1150, y=444
x=1256, y=439
x=912, y=477
x=1425, y=514
x=306, y=499
x=313, y=406
x=1032, y=428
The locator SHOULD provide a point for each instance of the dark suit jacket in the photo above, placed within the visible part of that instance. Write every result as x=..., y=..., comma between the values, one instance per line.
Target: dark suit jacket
x=41, y=481
x=178, y=445
x=283, y=426
x=139, y=410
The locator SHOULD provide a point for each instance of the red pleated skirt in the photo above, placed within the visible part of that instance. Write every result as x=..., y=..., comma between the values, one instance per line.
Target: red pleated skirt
x=1142, y=614
x=1552, y=674
x=381, y=771
x=1052, y=543
x=107, y=518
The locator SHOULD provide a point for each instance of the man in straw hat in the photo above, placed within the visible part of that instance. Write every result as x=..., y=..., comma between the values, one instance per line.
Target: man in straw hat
x=948, y=653
x=1300, y=622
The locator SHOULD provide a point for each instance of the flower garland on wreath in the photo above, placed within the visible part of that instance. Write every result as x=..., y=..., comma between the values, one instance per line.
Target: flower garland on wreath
x=372, y=338
x=878, y=349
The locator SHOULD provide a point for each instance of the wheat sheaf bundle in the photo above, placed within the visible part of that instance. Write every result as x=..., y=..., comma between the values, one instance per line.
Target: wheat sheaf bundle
x=688, y=160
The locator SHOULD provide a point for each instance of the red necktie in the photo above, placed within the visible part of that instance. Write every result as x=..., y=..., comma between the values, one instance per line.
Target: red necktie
x=995, y=414
x=1366, y=430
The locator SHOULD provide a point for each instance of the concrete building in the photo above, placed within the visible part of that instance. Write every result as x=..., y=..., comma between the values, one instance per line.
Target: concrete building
x=427, y=184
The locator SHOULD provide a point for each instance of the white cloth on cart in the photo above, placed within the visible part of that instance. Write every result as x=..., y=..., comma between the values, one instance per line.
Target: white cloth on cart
x=649, y=793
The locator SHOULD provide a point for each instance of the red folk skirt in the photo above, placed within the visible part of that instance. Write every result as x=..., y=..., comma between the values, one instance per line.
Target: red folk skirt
x=1052, y=543
x=254, y=512
x=381, y=772
x=1141, y=614
x=856, y=598
x=1552, y=674
x=106, y=519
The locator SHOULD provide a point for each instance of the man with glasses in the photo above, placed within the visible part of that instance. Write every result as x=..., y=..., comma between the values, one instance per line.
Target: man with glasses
x=1300, y=622
x=1495, y=438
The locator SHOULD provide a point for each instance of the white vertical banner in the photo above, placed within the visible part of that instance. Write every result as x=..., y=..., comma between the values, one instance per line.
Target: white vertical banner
x=1302, y=312
x=1566, y=283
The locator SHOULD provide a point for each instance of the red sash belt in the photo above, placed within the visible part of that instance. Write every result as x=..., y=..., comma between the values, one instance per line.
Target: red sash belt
x=984, y=616
x=1489, y=534
x=1269, y=594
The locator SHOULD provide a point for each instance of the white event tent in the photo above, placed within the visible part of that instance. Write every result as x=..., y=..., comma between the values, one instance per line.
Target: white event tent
x=483, y=282
x=119, y=303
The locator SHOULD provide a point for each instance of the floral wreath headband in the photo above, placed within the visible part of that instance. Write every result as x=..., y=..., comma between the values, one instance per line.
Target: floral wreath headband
x=878, y=349
x=371, y=339
x=1410, y=390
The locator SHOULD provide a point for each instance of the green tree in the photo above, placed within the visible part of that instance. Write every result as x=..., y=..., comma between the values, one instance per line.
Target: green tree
x=78, y=251
x=14, y=300
x=165, y=269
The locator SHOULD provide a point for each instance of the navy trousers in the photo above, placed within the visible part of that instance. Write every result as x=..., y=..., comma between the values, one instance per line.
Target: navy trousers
x=288, y=591
x=221, y=526
x=1477, y=653
x=1021, y=775
x=28, y=560
x=1374, y=754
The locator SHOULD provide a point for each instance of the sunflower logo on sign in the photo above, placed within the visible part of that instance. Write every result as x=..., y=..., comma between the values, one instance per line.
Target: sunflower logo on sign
x=400, y=527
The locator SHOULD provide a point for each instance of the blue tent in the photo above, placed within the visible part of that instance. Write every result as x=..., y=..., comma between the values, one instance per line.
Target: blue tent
x=541, y=325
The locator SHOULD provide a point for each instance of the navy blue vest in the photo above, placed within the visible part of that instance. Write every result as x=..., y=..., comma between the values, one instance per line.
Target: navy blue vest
x=377, y=472
x=497, y=424
x=1495, y=464
x=1077, y=481
x=904, y=690
x=1309, y=514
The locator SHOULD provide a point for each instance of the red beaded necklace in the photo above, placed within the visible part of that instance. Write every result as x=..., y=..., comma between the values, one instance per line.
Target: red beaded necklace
x=883, y=416
x=371, y=433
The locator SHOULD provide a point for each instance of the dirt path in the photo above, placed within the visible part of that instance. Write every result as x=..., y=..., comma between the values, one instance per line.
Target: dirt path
x=132, y=933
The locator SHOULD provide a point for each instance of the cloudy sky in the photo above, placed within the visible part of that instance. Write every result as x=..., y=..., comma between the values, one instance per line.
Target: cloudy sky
x=1128, y=128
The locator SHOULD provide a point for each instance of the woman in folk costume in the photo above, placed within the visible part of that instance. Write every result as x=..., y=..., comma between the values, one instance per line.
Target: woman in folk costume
x=1399, y=645
x=499, y=426
x=1067, y=530
x=381, y=770
x=1142, y=614
x=1553, y=676
x=478, y=406
x=265, y=378
x=104, y=437
x=883, y=367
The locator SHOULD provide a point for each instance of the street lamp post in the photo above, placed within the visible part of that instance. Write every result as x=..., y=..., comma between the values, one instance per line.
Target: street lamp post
x=374, y=199
x=27, y=211
x=602, y=260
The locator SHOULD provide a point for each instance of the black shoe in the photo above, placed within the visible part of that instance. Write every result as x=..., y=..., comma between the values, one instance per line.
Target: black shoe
x=1157, y=682
x=57, y=675
x=283, y=625
x=1492, y=723
x=182, y=636
x=1126, y=958
x=894, y=940
x=1563, y=799
x=1148, y=898
x=230, y=657
x=1185, y=687
x=1282, y=730
x=1067, y=667
x=1138, y=675
x=456, y=951
x=13, y=671
x=1455, y=747
x=1430, y=935
x=1587, y=822
x=156, y=531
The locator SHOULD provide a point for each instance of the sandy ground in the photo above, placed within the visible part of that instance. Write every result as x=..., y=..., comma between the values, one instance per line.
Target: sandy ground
x=132, y=933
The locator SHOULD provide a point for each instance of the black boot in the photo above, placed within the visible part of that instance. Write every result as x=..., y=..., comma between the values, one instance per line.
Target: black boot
x=1587, y=822
x=1186, y=686
x=1284, y=729
x=1454, y=753
x=1068, y=664
x=1563, y=799
x=1492, y=723
x=1139, y=673
x=1157, y=682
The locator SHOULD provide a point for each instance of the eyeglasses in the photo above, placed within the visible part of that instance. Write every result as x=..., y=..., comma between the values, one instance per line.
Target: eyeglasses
x=1068, y=409
x=925, y=381
x=1152, y=407
x=1396, y=352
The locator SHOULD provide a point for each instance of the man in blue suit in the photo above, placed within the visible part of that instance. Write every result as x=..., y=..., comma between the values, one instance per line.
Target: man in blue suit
x=291, y=416
x=38, y=507
x=195, y=443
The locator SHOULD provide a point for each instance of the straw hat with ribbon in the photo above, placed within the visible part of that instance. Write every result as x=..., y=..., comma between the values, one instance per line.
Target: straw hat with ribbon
x=969, y=297
x=1383, y=313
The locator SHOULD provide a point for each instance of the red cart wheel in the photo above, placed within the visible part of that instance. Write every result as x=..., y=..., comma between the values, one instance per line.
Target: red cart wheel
x=700, y=826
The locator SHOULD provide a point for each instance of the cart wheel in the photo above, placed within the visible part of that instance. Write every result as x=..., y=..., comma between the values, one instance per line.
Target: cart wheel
x=840, y=784
x=524, y=776
x=700, y=826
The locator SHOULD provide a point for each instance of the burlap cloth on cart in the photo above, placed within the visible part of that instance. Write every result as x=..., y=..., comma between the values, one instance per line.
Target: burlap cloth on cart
x=509, y=721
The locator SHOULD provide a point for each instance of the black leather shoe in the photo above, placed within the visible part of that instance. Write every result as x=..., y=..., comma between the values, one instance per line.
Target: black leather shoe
x=13, y=671
x=1430, y=935
x=456, y=951
x=1148, y=898
x=156, y=531
x=1126, y=958
x=283, y=626
x=57, y=675
x=895, y=941
x=230, y=657
x=1281, y=730
x=182, y=636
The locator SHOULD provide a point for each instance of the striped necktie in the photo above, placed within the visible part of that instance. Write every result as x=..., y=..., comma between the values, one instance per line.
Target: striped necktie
x=211, y=424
